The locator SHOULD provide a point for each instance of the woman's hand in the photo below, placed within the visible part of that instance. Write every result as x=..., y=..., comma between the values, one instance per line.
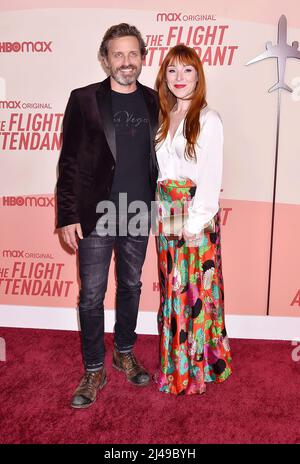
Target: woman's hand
x=192, y=239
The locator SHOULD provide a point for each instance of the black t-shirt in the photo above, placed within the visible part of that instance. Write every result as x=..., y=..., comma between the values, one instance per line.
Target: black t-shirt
x=132, y=171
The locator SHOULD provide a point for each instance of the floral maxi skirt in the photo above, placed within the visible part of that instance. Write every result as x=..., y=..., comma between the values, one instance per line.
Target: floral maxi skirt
x=194, y=347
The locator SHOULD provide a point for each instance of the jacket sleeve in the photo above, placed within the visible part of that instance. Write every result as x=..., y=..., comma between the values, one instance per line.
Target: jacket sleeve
x=67, y=183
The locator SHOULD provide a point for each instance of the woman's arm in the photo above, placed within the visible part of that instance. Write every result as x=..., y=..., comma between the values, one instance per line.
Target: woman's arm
x=209, y=165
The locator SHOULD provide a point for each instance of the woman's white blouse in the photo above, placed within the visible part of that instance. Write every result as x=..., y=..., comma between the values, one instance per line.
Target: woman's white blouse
x=205, y=171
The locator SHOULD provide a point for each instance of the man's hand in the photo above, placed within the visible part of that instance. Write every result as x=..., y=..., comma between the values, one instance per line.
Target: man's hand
x=68, y=234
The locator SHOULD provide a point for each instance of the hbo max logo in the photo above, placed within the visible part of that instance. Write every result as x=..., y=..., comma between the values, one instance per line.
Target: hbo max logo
x=25, y=47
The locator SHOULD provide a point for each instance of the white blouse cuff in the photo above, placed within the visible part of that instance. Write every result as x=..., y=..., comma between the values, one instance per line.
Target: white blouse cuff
x=195, y=223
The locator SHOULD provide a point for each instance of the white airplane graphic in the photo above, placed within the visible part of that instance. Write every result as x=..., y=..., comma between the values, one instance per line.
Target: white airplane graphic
x=281, y=51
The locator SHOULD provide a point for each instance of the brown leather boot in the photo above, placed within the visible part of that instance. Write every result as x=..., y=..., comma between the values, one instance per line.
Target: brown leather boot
x=86, y=392
x=127, y=363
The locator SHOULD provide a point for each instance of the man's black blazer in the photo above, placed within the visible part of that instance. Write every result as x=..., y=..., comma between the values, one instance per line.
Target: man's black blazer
x=88, y=155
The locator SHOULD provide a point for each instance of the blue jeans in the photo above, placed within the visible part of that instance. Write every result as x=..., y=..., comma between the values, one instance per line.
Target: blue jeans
x=94, y=254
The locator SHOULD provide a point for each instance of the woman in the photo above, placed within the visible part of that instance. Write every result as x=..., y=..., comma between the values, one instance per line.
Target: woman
x=194, y=347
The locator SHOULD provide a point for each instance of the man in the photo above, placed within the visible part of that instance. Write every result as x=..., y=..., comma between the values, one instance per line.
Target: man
x=108, y=149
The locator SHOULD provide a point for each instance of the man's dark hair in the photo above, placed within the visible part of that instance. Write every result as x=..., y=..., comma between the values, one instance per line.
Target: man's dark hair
x=121, y=30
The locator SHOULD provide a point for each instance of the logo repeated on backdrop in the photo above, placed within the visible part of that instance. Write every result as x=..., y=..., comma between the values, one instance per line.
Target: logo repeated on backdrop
x=26, y=47
x=167, y=17
x=12, y=105
x=42, y=201
x=31, y=131
x=28, y=130
x=34, y=268
x=209, y=41
x=26, y=254
x=32, y=278
x=30, y=125
x=296, y=300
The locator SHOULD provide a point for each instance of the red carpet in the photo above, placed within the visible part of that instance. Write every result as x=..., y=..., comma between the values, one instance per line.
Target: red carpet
x=259, y=404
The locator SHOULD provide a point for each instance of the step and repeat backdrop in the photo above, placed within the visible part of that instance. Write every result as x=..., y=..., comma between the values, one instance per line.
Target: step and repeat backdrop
x=49, y=48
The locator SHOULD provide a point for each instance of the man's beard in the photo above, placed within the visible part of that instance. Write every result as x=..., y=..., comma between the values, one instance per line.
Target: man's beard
x=122, y=79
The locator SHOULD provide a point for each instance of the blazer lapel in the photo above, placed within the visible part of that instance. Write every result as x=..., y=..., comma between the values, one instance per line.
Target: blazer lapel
x=103, y=96
x=151, y=105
